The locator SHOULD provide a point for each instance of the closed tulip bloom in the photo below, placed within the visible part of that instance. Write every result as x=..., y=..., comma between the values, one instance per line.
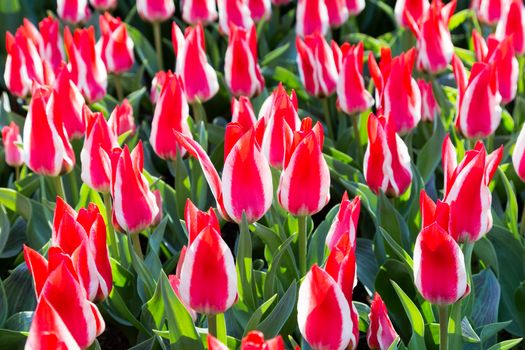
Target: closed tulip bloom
x=311, y=18
x=197, y=220
x=73, y=11
x=134, y=204
x=242, y=112
x=352, y=95
x=479, y=110
x=103, y=5
x=414, y=8
x=467, y=192
x=234, y=13
x=254, y=340
x=355, y=7
x=512, y=22
x=317, y=66
x=387, y=162
x=199, y=77
x=121, y=119
x=341, y=265
x=157, y=83
x=430, y=109
x=345, y=223
x=87, y=69
x=198, y=11
x=304, y=186
x=489, y=11
x=260, y=10
x=15, y=74
x=518, y=157
x=241, y=67
x=381, y=333
x=52, y=50
x=12, y=142
x=155, y=10
x=115, y=45
x=323, y=314
x=337, y=12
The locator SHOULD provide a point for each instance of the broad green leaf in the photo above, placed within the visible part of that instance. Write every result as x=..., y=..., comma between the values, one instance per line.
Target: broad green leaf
x=398, y=250
x=274, y=322
x=258, y=314
x=468, y=333
x=507, y=344
x=273, y=269
x=244, y=265
x=416, y=320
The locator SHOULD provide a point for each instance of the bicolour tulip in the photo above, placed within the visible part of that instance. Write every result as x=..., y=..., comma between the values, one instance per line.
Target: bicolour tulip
x=323, y=313
x=489, y=11
x=197, y=220
x=135, y=206
x=352, y=95
x=260, y=10
x=386, y=163
x=479, y=110
x=198, y=11
x=337, y=12
x=355, y=7
x=518, y=157
x=175, y=279
x=121, y=119
x=512, y=22
x=254, y=340
x=242, y=112
x=16, y=76
x=304, y=186
x=52, y=49
x=214, y=343
x=155, y=10
x=73, y=11
x=99, y=143
x=156, y=85
x=12, y=141
x=414, y=8
x=199, y=77
x=234, y=12
x=31, y=32
x=399, y=97
x=435, y=47
x=345, y=223
x=502, y=54
x=317, y=65
x=171, y=113
x=467, y=192
x=115, y=46
x=103, y=5
x=87, y=69
x=241, y=67
x=208, y=281
x=341, y=265
x=429, y=107
x=381, y=333
x=311, y=18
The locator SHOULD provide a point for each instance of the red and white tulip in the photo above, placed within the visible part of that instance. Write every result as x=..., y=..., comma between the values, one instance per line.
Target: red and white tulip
x=512, y=23
x=311, y=18
x=12, y=142
x=381, y=333
x=155, y=10
x=115, y=45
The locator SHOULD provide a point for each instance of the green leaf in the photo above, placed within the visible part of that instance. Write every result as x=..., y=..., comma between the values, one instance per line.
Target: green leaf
x=492, y=329
x=511, y=211
x=12, y=339
x=459, y=18
x=468, y=332
x=118, y=309
x=273, y=269
x=398, y=250
x=3, y=304
x=146, y=281
x=507, y=344
x=429, y=156
x=144, y=50
x=19, y=290
x=258, y=314
x=244, y=265
x=9, y=6
x=274, y=322
x=367, y=267
x=486, y=304
x=416, y=320
x=392, y=221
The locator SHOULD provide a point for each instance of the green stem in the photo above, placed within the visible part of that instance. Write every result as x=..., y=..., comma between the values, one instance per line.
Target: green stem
x=112, y=237
x=302, y=241
x=158, y=44
x=199, y=114
x=522, y=223
x=118, y=87
x=328, y=117
x=59, y=187
x=212, y=325
x=443, y=327
x=468, y=248
x=357, y=135
x=17, y=173
x=135, y=240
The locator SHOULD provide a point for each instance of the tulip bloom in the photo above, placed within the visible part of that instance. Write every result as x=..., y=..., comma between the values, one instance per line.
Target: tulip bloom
x=11, y=140
x=197, y=220
x=341, y=265
x=103, y=5
x=489, y=11
x=317, y=66
x=215, y=344
x=88, y=71
x=198, y=11
x=156, y=85
x=429, y=107
x=121, y=119
x=75, y=11
x=304, y=186
x=479, y=110
x=337, y=12
x=135, y=206
x=234, y=13
x=311, y=18
x=241, y=67
x=435, y=47
x=467, y=192
x=413, y=8
x=260, y=10
x=345, y=223
x=387, y=163
x=518, y=157
x=355, y=7
x=199, y=77
x=323, y=314
x=115, y=44
x=254, y=340
x=399, y=97
x=381, y=333
x=155, y=10
x=512, y=22
x=52, y=49
x=242, y=112
x=352, y=96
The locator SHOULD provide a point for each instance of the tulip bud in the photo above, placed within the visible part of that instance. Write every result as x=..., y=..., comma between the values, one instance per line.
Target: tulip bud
x=345, y=223
x=311, y=18
x=199, y=77
x=198, y=11
x=103, y=5
x=304, y=187
x=429, y=106
x=121, y=119
x=413, y=8
x=52, y=50
x=197, y=220
x=341, y=265
x=317, y=66
x=242, y=112
x=241, y=67
x=115, y=45
x=512, y=23
x=254, y=340
x=337, y=12
x=260, y=10
x=75, y=11
x=155, y=10
x=11, y=140
x=489, y=11
x=15, y=75
x=88, y=71
x=234, y=13
x=381, y=333
x=355, y=7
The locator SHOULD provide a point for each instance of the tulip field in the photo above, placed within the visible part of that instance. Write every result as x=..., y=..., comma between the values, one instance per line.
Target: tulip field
x=262, y=174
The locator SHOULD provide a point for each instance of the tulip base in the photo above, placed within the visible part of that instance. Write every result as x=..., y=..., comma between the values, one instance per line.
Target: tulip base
x=443, y=327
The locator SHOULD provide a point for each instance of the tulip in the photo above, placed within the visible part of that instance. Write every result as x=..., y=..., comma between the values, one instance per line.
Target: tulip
x=156, y=85
x=12, y=141
x=345, y=223
x=155, y=10
x=197, y=220
x=435, y=47
x=512, y=23
x=234, y=13
x=489, y=11
x=214, y=343
x=399, y=97
x=121, y=119
x=341, y=265
x=387, y=163
x=317, y=66
x=52, y=50
x=355, y=7
x=323, y=314
x=73, y=11
x=260, y=10
x=199, y=77
x=467, y=192
x=31, y=32
x=241, y=67
x=381, y=333
x=430, y=109
x=115, y=44
x=352, y=96
x=479, y=110
x=337, y=12
x=171, y=113
x=242, y=112
x=88, y=71
x=311, y=18
x=304, y=187
x=414, y=8
x=254, y=340
x=15, y=75
x=198, y=11
x=519, y=155
x=104, y=5
x=134, y=205
x=502, y=55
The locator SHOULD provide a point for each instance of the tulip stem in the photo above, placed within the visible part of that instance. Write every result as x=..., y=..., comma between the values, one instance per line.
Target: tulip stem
x=522, y=223
x=443, y=327
x=135, y=240
x=302, y=241
x=468, y=248
x=113, y=244
x=17, y=173
x=199, y=114
x=357, y=135
x=59, y=187
x=212, y=325
x=118, y=87
x=158, y=44
x=327, y=117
